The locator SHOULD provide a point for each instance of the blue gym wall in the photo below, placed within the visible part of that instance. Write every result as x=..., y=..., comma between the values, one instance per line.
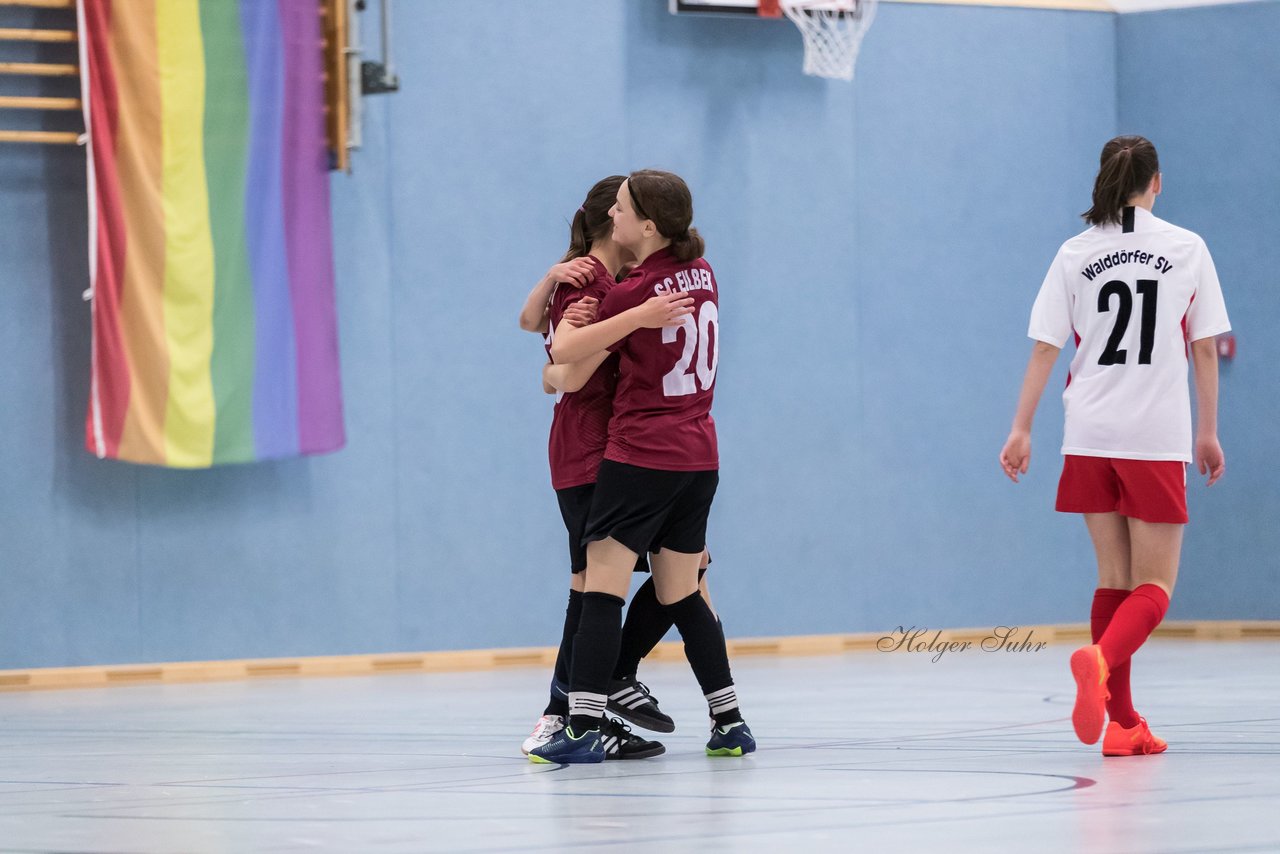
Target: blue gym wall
x=1205, y=85
x=878, y=246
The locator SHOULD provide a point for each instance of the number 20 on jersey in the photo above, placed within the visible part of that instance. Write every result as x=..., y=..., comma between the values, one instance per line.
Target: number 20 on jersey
x=701, y=352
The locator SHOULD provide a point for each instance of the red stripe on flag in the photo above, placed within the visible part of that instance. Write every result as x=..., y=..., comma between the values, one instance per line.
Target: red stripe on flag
x=111, y=372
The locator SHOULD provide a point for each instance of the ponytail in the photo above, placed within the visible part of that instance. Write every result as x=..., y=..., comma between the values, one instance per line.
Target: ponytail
x=688, y=246
x=1128, y=164
x=579, y=241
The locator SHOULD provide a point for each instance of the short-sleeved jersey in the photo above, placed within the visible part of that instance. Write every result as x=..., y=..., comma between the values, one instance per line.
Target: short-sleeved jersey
x=1133, y=295
x=580, y=423
x=662, y=408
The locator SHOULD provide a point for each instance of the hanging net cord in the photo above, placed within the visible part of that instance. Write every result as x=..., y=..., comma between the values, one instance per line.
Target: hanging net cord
x=832, y=31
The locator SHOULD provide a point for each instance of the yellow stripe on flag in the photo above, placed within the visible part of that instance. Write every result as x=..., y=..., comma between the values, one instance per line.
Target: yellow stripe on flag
x=188, y=269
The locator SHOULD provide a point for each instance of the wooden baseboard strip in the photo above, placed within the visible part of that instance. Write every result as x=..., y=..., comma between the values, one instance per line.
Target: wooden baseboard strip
x=489, y=659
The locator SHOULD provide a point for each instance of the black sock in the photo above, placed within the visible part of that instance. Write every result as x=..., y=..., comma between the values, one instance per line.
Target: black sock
x=704, y=647
x=647, y=623
x=560, y=705
x=595, y=651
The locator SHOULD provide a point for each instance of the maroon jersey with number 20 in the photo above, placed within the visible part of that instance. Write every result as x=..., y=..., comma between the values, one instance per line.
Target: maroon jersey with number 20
x=662, y=408
x=580, y=425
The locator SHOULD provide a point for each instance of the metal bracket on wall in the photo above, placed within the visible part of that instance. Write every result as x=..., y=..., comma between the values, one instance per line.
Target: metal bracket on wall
x=378, y=78
x=375, y=79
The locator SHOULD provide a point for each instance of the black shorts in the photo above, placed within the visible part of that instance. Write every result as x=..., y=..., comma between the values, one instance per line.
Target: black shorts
x=650, y=509
x=575, y=507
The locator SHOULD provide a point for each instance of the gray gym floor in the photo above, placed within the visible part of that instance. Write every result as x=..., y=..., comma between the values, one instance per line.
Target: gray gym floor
x=867, y=751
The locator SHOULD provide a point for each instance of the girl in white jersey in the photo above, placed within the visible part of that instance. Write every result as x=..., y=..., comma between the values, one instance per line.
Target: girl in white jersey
x=1136, y=294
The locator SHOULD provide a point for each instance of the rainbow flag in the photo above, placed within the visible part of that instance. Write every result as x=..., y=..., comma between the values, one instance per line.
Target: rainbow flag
x=210, y=242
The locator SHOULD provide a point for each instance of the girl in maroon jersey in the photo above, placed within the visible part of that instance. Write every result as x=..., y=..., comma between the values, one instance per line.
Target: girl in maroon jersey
x=661, y=465
x=577, y=442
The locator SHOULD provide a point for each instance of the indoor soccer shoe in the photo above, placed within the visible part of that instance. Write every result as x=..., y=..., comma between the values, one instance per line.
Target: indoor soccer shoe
x=1138, y=740
x=731, y=740
x=548, y=725
x=621, y=743
x=565, y=748
x=1090, y=671
x=630, y=700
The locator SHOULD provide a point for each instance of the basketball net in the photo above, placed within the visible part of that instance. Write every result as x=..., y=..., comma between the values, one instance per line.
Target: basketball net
x=832, y=31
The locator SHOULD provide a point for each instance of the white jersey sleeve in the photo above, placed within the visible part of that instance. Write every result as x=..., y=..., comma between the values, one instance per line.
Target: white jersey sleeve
x=1051, y=314
x=1207, y=315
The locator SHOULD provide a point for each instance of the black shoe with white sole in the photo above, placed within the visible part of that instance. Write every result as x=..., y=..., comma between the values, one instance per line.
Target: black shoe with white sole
x=621, y=743
x=630, y=699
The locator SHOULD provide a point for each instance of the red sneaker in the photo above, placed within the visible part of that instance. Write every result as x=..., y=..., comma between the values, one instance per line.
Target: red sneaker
x=1135, y=741
x=1090, y=671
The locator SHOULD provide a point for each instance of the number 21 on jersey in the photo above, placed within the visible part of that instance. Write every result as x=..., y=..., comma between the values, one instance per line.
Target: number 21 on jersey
x=1149, y=293
x=701, y=350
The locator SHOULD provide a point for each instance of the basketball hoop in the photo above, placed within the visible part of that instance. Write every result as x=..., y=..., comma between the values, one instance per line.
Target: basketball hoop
x=832, y=30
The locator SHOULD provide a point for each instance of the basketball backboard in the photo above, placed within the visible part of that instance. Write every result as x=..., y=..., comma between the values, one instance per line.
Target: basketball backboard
x=714, y=7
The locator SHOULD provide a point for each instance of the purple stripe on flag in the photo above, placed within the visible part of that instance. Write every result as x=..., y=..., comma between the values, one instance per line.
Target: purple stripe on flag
x=309, y=232
x=275, y=392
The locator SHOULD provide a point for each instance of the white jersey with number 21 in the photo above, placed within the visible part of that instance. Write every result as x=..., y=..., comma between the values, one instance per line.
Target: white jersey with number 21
x=1134, y=295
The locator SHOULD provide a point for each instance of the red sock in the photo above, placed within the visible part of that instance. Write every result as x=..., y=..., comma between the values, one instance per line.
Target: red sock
x=1120, y=706
x=1105, y=602
x=1134, y=621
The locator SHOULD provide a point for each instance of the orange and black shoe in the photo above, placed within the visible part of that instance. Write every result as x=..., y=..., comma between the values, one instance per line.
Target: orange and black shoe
x=1138, y=740
x=1090, y=671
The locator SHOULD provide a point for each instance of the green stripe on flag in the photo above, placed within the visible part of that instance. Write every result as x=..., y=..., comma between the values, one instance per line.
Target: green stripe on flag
x=226, y=138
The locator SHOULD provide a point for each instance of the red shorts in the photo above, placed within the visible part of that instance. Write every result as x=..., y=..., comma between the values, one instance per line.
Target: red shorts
x=1150, y=490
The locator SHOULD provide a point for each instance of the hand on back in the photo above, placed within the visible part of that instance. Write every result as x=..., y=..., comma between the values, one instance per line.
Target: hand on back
x=577, y=272
x=664, y=310
x=582, y=312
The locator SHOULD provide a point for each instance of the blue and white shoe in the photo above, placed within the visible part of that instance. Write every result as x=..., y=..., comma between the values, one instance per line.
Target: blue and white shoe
x=731, y=740
x=565, y=748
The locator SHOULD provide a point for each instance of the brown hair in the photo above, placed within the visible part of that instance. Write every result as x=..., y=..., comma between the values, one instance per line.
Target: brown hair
x=1127, y=166
x=664, y=198
x=592, y=222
